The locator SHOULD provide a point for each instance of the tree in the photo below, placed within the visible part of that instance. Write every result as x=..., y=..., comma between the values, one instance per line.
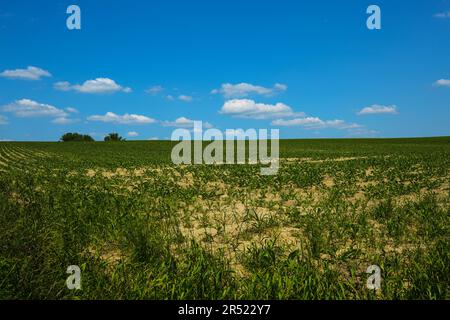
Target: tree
x=67, y=137
x=114, y=137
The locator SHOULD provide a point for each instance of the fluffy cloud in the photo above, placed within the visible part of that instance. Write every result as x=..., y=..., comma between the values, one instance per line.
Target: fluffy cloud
x=30, y=73
x=185, y=98
x=154, y=90
x=442, y=15
x=26, y=108
x=247, y=108
x=64, y=120
x=363, y=132
x=3, y=120
x=132, y=134
x=183, y=122
x=242, y=90
x=122, y=119
x=314, y=123
x=99, y=85
x=280, y=87
x=181, y=97
x=378, y=109
x=239, y=134
x=442, y=83
x=71, y=110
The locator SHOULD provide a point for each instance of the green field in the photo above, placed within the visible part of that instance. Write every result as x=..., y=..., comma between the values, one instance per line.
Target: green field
x=140, y=227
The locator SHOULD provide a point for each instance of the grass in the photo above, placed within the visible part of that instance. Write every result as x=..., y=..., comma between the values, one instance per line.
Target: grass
x=142, y=228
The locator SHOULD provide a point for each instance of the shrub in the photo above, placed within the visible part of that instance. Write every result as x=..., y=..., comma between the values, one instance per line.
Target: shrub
x=75, y=137
x=114, y=137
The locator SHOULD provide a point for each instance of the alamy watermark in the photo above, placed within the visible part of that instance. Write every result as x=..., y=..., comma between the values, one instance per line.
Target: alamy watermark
x=374, y=280
x=74, y=280
x=235, y=141
x=73, y=22
x=374, y=20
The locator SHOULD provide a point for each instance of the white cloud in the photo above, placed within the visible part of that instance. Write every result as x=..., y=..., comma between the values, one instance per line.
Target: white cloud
x=442, y=15
x=378, y=109
x=98, y=85
x=62, y=86
x=71, y=110
x=153, y=138
x=3, y=120
x=280, y=87
x=30, y=73
x=364, y=132
x=26, y=108
x=442, y=83
x=239, y=134
x=185, y=98
x=247, y=108
x=311, y=123
x=133, y=134
x=154, y=90
x=64, y=120
x=122, y=119
x=242, y=90
x=181, y=97
x=184, y=122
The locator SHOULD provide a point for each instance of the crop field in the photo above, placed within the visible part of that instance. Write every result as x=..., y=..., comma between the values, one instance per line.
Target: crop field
x=140, y=227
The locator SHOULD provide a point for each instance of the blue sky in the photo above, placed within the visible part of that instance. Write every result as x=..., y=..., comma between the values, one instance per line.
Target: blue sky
x=143, y=68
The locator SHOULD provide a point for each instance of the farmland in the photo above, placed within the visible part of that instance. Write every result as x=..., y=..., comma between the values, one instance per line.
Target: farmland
x=140, y=227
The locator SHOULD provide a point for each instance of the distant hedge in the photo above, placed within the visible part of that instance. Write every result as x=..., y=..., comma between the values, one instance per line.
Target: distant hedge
x=67, y=137
x=114, y=137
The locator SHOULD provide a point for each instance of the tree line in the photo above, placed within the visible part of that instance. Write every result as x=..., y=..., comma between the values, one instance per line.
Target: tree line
x=77, y=137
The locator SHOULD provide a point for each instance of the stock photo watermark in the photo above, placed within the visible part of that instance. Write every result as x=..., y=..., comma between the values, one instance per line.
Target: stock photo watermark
x=73, y=282
x=213, y=153
x=374, y=280
x=374, y=20
x=73, y=22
